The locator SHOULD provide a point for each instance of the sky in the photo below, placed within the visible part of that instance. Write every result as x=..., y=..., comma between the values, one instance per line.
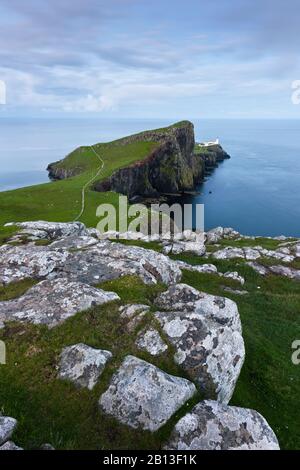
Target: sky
x=150, y=58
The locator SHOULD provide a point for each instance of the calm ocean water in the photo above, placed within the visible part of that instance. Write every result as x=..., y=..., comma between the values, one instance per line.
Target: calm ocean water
x=257, y=192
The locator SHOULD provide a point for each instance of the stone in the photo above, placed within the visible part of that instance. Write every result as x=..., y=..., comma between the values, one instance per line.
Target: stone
x=82, y=364
x=51, y=302
x=47, y=446
x=235, y=291
x=178, y=247
x=51, y=230
x=21, y=262
x=251, y=254
x=200, y=268
x=142, y=396
x=74, y=242
x=214, y=426
x=134, y=313
x=259, y=268
x=110, y=260
x=206, y=333
x=214, y=235
x=151, y=341
x=7, y=427
x=130, y=310
x=229, y=253
x=285, y=271
x=235, y=276
x=9, y=445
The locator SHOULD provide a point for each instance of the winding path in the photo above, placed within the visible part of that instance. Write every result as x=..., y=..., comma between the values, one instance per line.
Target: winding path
x=89, y=182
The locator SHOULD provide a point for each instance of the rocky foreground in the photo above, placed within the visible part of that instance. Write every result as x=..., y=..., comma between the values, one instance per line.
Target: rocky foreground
x=202, y=331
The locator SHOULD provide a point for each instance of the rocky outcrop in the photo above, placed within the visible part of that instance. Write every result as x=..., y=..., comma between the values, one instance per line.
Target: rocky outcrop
x=143, y=396
x=201, y=332
x=206, y=333
x=82, y=364
x=52, y=302
x=214, y=426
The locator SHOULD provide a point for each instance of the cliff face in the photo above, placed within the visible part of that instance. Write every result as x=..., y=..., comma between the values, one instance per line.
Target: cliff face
x=172, y=166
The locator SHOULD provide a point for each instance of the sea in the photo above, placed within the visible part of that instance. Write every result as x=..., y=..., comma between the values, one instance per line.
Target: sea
x=257, y=191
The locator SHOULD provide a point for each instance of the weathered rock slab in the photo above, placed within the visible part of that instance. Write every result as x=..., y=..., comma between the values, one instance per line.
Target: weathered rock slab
x=206, y=333
x=52, y=302
x=214, y=426
x=143, y=396
x=82, y=364
x=7, y=427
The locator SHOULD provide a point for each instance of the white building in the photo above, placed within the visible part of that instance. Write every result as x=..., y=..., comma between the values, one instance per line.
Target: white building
x=208, y=144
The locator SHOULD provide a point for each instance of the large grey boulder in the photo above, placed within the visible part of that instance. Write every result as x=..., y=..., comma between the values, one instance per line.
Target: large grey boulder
x=52, y=302
x=206, y=333
x=21, y=262
x=9, y=445
x=50, y=230
x=110, y=260
x=82, y=364
x=214, y=426
x=143, y=396
x=7, y=427
x=229, y=253
x=150, y=340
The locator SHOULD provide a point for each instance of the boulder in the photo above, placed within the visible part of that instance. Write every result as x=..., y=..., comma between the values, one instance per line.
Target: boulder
x=215, y=426
x=199, y=268
x=229, y=253
x=134, y=313
x=150, y=340
x=143, y=396
x=7, y=427
x=110, y=260
x=205, y=331
x=82, y=364
x=51, y=302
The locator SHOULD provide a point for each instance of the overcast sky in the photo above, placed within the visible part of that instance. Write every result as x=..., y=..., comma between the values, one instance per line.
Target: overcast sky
x=150, y=58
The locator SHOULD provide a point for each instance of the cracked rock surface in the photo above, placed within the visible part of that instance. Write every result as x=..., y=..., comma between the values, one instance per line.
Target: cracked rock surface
x=143, y=396
x=82, y=364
